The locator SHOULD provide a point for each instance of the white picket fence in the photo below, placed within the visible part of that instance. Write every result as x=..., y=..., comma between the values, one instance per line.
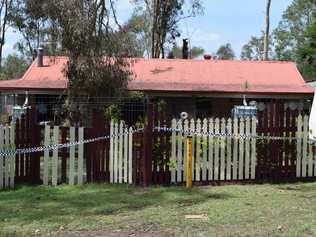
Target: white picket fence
x=51, y=161
x=215, y=158
x=305, y=159
x=121, y=153
x=7, y=164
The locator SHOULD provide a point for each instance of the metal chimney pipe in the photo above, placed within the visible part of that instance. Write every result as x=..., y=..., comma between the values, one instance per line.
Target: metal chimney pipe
x=40, y=56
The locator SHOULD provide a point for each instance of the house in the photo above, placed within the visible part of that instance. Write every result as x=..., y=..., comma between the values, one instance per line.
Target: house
x=200, y=87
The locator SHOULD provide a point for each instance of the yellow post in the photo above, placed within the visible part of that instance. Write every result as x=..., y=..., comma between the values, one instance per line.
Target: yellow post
x=189, y=162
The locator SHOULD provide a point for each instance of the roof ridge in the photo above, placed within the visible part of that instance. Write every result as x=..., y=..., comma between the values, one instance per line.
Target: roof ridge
x=192, y=60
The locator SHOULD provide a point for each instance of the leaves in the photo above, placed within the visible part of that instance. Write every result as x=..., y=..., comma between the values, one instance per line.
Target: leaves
x=307, y=52
x=225, y=52
x=163, y=18
x=14, y=67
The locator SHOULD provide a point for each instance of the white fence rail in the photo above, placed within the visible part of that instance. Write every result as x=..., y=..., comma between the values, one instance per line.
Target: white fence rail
x=51, y=171
x=215, y=158
x=7, y=164
x=121, y=153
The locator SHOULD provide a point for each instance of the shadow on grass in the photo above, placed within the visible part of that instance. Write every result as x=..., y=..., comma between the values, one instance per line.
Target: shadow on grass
x=299, y=187
x=29, y=204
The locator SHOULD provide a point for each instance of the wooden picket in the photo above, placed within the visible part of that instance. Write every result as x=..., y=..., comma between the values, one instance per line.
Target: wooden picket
x=216, y=158
x=305, y=159
x=7, y=163
x=51, y=172
x=121, y=153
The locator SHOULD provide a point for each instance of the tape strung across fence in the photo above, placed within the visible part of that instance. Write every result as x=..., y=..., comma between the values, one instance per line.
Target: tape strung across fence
x=230, y=135
x=8, y=153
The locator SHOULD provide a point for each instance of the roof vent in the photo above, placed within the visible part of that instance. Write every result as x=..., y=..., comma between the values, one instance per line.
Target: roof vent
x=207, y=56
x=40, y=56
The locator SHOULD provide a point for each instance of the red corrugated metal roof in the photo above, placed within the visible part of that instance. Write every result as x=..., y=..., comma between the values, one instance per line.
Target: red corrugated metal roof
x=166, y=75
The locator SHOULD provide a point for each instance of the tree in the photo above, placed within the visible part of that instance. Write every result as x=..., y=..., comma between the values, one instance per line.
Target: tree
x=163, y=18
x=290, y=33
x=253, y=50
x=131, y=36
x=14, y=67
x=32, y=22
x=89, y=38
x=225, y=52
x=5, y=8
x=267, y=30
x=307, y=53
x=194, y=52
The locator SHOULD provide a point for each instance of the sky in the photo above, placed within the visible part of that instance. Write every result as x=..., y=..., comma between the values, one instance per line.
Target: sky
x=223, y=21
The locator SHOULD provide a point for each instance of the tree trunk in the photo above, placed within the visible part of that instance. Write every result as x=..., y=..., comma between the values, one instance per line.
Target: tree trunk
x=267, y=31
x=4, y=11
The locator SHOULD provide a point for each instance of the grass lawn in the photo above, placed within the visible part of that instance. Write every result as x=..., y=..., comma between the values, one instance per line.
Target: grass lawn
x=105, y=210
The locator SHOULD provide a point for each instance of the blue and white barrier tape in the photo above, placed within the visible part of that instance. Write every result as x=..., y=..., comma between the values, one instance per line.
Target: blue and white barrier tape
x=12, y=152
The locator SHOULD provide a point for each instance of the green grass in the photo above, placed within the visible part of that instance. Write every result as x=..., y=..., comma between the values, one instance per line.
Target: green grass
x=235, y=210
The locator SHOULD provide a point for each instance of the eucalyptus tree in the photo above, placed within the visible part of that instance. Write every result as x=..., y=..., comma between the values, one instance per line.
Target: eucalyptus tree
x=163, y=18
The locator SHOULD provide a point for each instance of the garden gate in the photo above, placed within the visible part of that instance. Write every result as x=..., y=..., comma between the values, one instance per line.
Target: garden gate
x=277, y=158
x=28, y=134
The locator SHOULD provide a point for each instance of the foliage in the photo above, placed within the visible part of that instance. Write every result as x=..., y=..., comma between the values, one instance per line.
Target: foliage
x=131, y=36
x=14, y=67
x=254, y=49
x=95, y=67
x=287, y=38
x=307, y=53
x=163, y=18
x=113, y=112
x=290, y=33
x=194, y=52
x=225, y=52
x=30, y=18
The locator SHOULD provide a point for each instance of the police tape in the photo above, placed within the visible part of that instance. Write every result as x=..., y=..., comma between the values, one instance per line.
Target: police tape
x=12, y=152
x=190, y=132
x=183, y=132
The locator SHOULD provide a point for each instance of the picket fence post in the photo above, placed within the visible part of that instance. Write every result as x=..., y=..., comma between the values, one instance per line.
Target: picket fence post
x=229, y=149
x=72, y=150
x=173, y=149
x=299, y=136
x=253, y=147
